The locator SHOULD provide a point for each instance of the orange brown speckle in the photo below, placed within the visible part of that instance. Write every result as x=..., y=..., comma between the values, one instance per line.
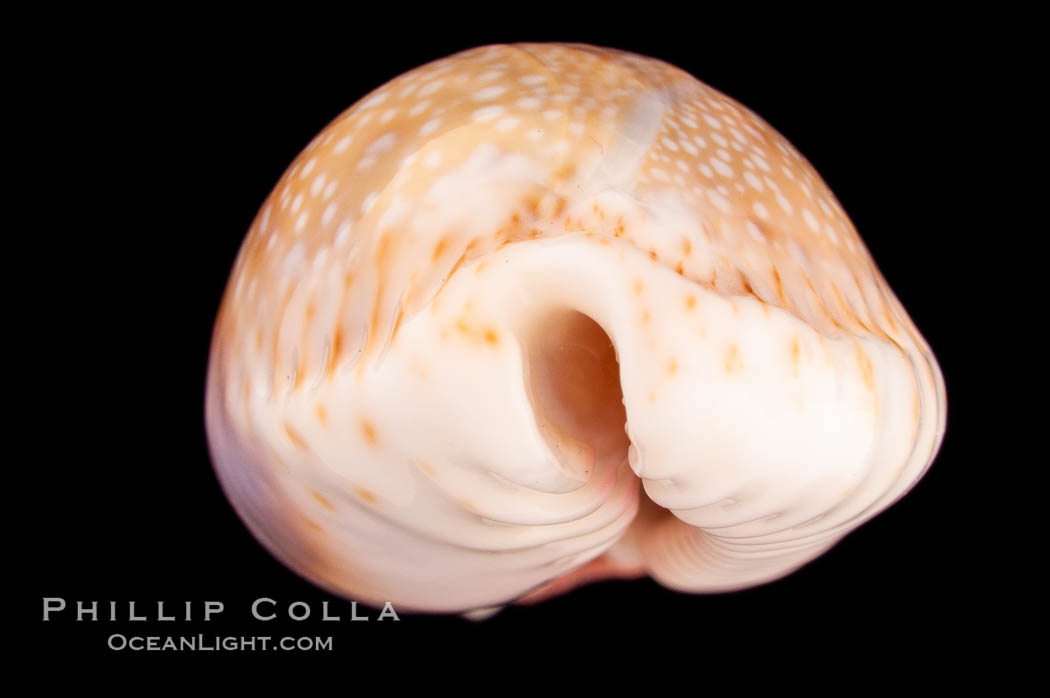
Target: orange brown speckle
x=383, y=256
x=322, y=414
x=277, y=337
x=439, y=249
x=300, y=372
x=448, y=276
x=337, y=347
x=369, y=433
x=690, y=302
x=559, y=206
x=779, y=287
x=294, y=436
x=366, y=495
x=732, y=359
x=532, y=206
x=397, y=322
x=322, y=499
x=866, y=370
x=491, y=337
x=672, y=367
x=796, y=351
x=889, y=319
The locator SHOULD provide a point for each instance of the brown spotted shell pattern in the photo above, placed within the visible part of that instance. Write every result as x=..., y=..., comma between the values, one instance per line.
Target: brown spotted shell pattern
x=538, y=314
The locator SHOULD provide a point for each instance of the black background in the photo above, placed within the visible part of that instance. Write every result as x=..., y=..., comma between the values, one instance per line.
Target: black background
x=158, y=146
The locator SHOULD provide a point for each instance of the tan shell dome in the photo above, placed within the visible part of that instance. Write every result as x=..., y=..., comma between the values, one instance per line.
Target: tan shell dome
x=542, y=313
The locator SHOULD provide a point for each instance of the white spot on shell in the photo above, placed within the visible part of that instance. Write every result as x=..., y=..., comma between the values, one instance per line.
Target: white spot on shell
x=830, y=232
x=754, y=231
x=329, y=211
x=488, y=113
x=718, y=200
x=507, y=124
x=431, y=88
x=369, y=201
x=810, y=220
x=489, y=93
x=329, y=190
x=429, y=127
x=318, y=182
x=375, y=100
x=381, y=144
x=720, y=167
x=342, y=234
